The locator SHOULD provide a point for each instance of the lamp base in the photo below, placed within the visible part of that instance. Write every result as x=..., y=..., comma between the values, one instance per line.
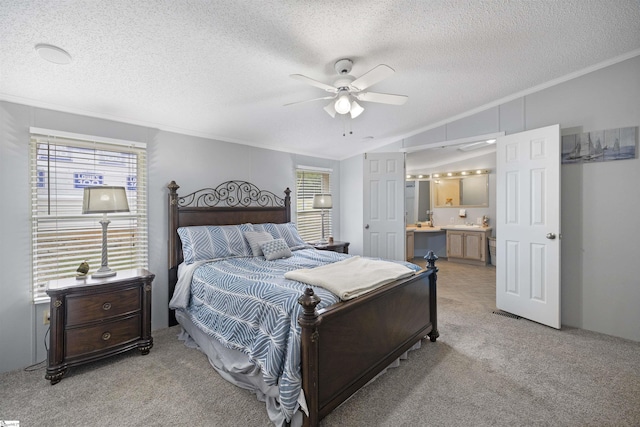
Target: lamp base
x=103, y=272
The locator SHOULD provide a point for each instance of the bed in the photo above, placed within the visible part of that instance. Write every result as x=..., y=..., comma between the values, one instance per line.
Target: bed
x=342, y=344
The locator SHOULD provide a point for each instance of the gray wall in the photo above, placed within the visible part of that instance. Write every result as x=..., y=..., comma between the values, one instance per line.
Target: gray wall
x=600, y=201
x=191, y=161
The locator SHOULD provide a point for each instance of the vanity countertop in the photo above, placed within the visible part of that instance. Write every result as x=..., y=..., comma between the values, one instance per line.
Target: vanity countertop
x=424, y=229
x=465, y=227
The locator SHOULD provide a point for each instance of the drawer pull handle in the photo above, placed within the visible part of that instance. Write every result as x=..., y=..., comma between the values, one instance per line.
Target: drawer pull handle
x=106, y=306
x=106, y=336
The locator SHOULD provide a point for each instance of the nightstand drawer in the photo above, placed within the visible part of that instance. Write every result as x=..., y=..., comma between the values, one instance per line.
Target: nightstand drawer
x=100, y=306
x=83, y=341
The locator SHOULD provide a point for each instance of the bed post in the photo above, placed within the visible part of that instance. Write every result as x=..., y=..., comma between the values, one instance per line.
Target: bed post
x=309, y=358
x=173, y=255
x=433, y=306
x=287, y=203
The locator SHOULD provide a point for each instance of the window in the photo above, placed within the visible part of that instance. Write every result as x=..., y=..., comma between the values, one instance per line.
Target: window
x=308, y=183
x=61, y=166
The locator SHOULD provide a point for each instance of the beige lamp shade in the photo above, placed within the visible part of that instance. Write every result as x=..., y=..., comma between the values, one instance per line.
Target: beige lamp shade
x=322, y=201
x=104, y=199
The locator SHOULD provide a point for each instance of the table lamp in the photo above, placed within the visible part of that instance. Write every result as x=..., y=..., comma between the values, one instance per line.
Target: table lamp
x=322, y=201
x=104, y=200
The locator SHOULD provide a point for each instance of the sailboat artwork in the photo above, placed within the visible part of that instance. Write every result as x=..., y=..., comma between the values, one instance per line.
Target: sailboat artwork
x=600, y=146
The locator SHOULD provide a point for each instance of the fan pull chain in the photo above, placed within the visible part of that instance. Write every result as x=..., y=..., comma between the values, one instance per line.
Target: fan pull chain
x=344, y=126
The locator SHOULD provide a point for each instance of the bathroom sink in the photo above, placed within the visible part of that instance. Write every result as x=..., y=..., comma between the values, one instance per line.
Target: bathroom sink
x=466, y=226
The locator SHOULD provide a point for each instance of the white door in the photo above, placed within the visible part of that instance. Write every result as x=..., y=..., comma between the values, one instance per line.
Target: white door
x=384, y=186
x=528, y=225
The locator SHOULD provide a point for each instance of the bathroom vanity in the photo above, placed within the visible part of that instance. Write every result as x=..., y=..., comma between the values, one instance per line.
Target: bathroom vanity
x=468, y=244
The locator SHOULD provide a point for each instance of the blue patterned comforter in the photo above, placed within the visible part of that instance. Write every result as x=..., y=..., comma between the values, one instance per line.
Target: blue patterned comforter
x=248, y=305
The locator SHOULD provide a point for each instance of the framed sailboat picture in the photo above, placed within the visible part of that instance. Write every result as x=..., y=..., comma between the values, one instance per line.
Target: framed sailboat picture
x=600, y=146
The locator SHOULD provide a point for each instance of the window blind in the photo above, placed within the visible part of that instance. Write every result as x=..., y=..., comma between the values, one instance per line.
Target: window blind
x=309, y=222
x=62, y=237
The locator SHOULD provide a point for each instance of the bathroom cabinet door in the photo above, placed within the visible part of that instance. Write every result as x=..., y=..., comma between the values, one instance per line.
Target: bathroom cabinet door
x=455, y=244
x=410, y=245
x=467, y=246
x=473, y=246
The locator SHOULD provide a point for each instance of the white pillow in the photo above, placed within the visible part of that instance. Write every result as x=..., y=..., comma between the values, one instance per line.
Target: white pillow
x=275, y=249
x=255, y=238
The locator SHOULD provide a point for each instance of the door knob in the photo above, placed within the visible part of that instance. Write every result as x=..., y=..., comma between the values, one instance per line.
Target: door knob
x=366, y=226
x=551, y=236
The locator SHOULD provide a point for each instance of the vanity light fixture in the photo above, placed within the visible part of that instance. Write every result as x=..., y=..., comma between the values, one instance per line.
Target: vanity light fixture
x=421, y=176
x=461, y=173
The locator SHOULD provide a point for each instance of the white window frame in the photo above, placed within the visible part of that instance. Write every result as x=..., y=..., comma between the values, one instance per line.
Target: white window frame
x=308, y=219
x=61, y=164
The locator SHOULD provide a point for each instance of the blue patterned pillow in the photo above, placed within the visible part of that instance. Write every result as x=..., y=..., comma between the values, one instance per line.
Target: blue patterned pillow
x=275, y=249
x=214, y=241
x=287, y=231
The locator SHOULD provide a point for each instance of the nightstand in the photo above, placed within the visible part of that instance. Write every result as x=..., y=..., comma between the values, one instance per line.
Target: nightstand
x=96, y=318
x=341, y=247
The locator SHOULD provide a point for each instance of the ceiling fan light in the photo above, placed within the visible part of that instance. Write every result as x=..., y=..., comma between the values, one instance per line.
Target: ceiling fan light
x=343, y=105
x=330, y=109
x=356, y=109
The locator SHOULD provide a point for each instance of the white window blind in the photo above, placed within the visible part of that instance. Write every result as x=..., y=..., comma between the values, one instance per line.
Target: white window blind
x=309, y=222
x=62, y=237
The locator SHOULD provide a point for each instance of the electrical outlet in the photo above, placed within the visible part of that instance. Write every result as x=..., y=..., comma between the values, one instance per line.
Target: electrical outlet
x=45, y=317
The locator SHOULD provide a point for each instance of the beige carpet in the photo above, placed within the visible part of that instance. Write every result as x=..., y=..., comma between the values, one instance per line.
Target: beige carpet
x=484, y=370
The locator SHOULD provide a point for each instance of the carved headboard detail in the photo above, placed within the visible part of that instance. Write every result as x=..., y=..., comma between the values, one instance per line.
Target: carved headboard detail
x=231, y=194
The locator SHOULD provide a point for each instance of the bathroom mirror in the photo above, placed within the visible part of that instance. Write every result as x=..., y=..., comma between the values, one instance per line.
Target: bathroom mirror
x=461, y=191
x=417, y=200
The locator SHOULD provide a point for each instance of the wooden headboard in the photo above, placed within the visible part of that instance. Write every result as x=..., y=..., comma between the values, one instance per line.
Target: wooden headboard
x=232, y=202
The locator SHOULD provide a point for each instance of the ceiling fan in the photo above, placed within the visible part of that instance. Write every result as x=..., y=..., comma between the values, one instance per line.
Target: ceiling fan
x=348, y=89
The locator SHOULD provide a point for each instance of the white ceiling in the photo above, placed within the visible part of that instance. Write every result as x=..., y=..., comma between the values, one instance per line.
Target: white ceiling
x=220, y=69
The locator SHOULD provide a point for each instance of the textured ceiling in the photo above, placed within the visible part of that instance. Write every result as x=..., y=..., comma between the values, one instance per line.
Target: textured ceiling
x=220, y=69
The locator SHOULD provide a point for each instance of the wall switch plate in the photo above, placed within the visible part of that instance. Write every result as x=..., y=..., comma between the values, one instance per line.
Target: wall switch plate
x=479, y=220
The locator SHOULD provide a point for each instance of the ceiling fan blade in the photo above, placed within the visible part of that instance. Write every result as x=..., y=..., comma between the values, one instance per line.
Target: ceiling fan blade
x=315, y=83
x=309, y=100
x=331, y=109
x=372, y=77
x=383, y=98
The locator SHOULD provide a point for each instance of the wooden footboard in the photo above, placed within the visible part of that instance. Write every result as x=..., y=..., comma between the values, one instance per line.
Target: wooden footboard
x=347, y=344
